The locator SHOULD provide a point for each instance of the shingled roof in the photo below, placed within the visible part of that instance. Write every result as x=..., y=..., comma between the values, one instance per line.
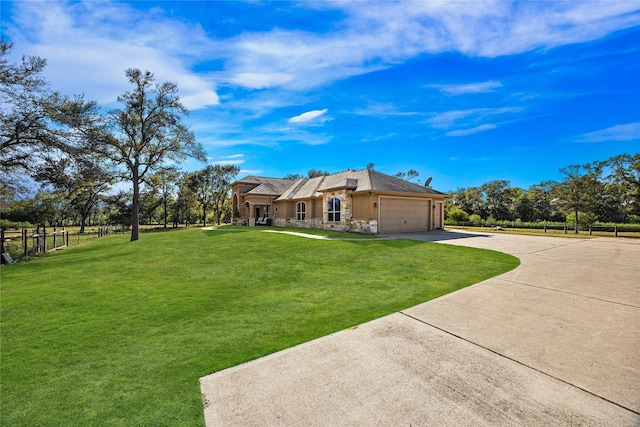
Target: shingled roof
x=357, y=181
x=266, y=186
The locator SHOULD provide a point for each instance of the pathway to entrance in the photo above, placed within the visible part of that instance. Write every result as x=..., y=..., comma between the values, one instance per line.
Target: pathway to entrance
x=553, y=342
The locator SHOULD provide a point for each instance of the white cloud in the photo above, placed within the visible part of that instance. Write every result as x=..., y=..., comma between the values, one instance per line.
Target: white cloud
x=372, y=38
x=234, y=159
x=261, y=80
x=463, y=89
x=477, y=129
x=89, y=45
x=626, y=132
x=449, y=119
x=308, y=116
x=382, y=110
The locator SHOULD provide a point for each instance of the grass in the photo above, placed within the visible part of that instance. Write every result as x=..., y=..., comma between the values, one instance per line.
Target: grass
x=117, y=333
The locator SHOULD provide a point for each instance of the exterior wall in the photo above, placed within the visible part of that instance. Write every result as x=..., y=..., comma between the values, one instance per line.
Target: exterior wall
x=359, y=213
x=244, y=207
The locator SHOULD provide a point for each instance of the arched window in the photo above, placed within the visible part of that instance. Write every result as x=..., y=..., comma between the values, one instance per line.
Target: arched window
x=301, y=209
x=333, y=210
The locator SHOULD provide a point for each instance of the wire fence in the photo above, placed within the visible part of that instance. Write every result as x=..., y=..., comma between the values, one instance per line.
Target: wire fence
x=30, y=242
x=605, y=230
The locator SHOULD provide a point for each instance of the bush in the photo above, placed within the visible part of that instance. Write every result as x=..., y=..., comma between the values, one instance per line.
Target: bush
x=458, y=215
x=5, y=224
x=476, y=220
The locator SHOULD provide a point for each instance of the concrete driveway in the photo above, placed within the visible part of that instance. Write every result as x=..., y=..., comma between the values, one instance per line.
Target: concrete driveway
x=555, y=341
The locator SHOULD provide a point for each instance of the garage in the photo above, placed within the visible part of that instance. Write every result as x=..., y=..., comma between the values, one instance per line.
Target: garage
x=403, y=215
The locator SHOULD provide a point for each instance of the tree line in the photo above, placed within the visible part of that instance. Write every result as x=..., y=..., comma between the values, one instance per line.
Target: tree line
x=605, y=191
x=76, y=151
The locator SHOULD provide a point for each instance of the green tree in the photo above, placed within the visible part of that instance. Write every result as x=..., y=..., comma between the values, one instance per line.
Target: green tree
x=185, y=204
x=625, y=172
x=314, y=173
x=202, y=185
x=80, y=181
x=168, y=178
x=407, y=176
x=224, y=176
x=541, y=197
x=498, y=199
x=578, y=189
x=25, y=130
x=146, y=133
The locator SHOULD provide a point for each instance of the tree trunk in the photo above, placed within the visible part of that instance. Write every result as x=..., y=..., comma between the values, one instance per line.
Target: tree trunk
x=83, y=220
x=164, y=210
x=576, y=220
x=135, y=208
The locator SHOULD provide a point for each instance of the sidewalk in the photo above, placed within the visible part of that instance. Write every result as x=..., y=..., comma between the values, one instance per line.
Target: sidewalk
x=555, y=341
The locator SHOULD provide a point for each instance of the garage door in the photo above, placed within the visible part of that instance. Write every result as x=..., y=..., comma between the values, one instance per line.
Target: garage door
x=399, y=215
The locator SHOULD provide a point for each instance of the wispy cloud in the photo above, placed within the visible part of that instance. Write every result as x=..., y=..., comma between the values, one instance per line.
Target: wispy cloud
x=477, y=129
x=89, y=45
x=378, y=109
x=234, y=159
x=309, y=116
x=469, y=117
x=464, y=89
x=625, y=132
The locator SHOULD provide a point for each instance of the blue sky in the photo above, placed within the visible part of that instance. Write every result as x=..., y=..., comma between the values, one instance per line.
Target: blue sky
x=464, y=92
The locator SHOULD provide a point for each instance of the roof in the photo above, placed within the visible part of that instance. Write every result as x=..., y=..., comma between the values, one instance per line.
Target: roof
x=357, y=181
x=266, y=186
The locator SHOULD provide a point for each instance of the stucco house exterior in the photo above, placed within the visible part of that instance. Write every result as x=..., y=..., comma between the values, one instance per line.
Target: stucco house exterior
x=363, y=201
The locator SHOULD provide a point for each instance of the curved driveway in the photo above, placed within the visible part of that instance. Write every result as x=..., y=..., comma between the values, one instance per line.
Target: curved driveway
x=555, y=341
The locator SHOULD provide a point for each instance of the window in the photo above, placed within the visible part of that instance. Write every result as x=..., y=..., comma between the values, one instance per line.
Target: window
x=301, y=209
x=333, y=210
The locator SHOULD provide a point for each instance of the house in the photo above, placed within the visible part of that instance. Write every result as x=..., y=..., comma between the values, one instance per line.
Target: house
x=364, y=201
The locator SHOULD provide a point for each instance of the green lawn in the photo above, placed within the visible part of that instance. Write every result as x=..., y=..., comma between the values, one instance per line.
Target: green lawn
x=117, y=333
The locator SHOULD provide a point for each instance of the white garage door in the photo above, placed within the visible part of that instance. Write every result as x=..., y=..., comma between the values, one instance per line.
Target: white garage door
x=399, y=215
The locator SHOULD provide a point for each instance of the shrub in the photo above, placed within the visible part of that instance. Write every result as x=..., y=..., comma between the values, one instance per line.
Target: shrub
x=5, y=224
x=476, y=220
x=458, y=215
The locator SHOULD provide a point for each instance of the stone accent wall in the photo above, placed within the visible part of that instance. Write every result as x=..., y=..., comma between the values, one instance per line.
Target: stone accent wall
x=292, y=222
x=345, y=211
x=363, y=225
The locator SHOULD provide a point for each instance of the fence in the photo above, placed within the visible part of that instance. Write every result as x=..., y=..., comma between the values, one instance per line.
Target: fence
x=613, y=230
x=27, y=243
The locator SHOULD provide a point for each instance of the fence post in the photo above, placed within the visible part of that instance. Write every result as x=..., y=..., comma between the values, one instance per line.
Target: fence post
x=2, y=239
x=54, y=238
x=24, y=242
x=67, y=238
x=615, y=230
x=590, y=233
x=565, y=229
x=545, y=228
